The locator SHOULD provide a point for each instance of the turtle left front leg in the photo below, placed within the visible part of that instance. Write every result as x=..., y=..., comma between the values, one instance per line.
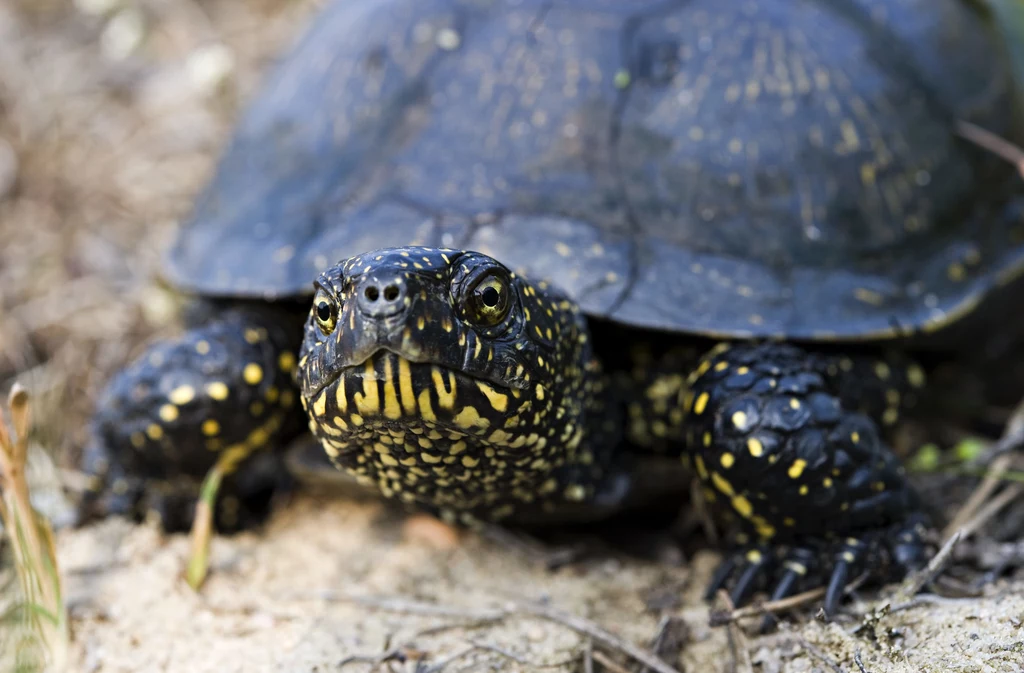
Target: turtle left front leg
x=217, y=396
x=790, y=440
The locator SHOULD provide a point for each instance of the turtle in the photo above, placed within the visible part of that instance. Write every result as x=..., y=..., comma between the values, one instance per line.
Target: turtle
x=498, y=256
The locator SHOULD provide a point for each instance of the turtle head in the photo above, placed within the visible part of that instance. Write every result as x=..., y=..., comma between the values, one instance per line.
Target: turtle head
x=440, y=376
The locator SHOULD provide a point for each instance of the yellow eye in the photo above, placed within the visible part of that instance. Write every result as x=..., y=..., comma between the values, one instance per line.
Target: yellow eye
x=325, y=310
x=488, y=301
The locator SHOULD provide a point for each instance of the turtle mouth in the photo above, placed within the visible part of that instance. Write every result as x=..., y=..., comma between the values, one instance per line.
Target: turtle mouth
x=389, y=392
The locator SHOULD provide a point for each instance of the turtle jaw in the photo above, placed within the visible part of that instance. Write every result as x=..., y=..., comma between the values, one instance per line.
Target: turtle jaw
x=390, y=392
x=433, y=435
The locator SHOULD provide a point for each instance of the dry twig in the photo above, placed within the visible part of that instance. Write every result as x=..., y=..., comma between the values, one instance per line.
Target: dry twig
x=608, y=662
x=913, y=584
x=738, y=646
x=578, y=624
x=995, y=144
x=723, y=617
x=818, y=654
x=1011, y=439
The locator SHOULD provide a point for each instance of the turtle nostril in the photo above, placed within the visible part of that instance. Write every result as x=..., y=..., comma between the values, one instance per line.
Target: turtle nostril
x=391, y=292
x=372, y=293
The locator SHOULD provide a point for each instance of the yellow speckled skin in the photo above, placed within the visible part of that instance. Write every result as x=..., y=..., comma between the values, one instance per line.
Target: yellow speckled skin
x=225, y=388
x=415, y=393
x=447, y=381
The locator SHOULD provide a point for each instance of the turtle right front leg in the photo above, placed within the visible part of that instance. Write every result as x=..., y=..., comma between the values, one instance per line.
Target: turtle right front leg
x=218, y=394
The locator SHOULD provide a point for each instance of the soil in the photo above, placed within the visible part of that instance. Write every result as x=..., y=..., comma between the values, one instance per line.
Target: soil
x=112, y=113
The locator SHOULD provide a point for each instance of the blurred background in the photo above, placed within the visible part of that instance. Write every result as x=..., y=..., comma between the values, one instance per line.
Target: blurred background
x=111, y=114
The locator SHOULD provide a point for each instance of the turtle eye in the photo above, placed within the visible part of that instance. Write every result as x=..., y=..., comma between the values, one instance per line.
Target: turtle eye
x=325, y=310
x=489, y=300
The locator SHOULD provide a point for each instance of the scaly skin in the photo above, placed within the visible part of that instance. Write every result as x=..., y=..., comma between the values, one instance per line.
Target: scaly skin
x=224, y=386
x=414, y=387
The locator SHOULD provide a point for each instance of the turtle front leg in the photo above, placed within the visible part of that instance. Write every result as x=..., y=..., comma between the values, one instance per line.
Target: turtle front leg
x=777, y=435
x=217, y=395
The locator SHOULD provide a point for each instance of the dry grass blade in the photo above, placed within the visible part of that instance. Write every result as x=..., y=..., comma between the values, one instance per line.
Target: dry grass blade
x=738, y=645
x=926, y=575
x=993, y=479
x=35, y=631
x=995, y=144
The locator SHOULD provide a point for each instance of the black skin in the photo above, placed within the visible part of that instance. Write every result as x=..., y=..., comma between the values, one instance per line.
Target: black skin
x=163, y=421
x=442, y=410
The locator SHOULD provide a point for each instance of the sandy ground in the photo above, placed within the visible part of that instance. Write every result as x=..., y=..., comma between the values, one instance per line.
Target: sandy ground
x=111, y=112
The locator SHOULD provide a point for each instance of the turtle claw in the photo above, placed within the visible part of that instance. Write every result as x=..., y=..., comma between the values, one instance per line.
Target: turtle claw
x=721, y=576
x=836, y=584
x=886, y=554
x=755, y=563
x=799, y=562
x=747, y=582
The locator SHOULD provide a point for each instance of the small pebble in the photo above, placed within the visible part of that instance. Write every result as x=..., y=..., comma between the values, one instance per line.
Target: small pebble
x=123, y=34
x=426, y=530
x=210, y=67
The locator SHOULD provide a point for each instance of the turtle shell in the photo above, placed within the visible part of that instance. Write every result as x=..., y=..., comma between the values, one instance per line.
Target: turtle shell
x=726, y=167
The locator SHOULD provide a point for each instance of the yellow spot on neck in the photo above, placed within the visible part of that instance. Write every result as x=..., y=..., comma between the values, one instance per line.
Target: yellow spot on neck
x=202, y=346
x=742, y=506
x=320, y=405
x=469, y=418
x=252, y=374
x=702, y=470
x=755, y=447
x=727, y=460
x=797, y=468
x=722, y=484
x=700, y=404
x=286, y=361
x=217, y=390
x=739, y=419
x=182, y=395
x=168, y=413
x=499, y=401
